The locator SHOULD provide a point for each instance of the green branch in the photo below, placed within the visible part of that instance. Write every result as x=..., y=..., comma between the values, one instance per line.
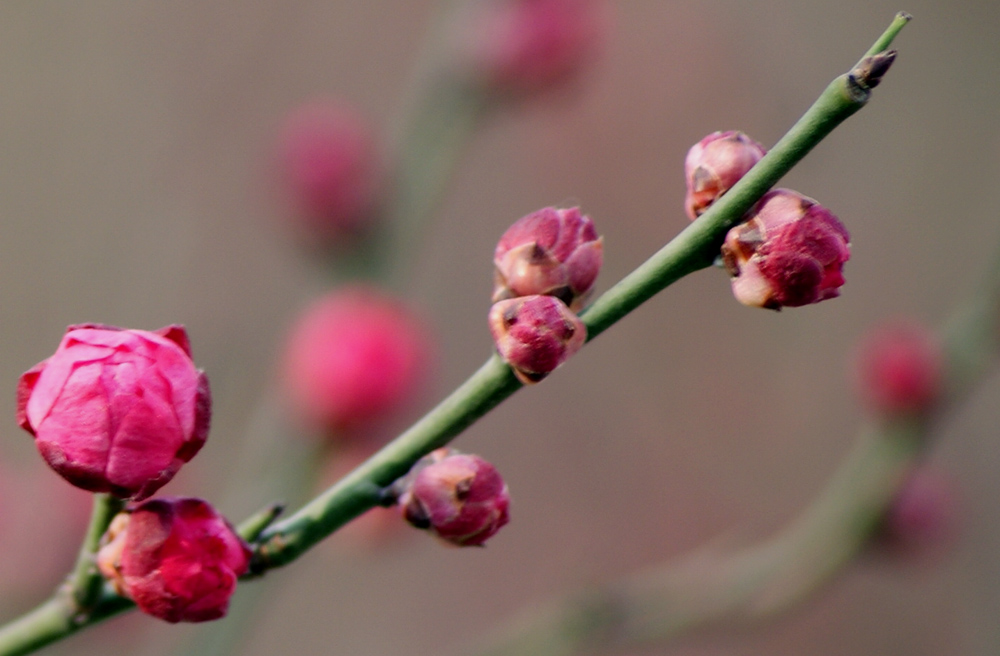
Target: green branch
x=694, y=248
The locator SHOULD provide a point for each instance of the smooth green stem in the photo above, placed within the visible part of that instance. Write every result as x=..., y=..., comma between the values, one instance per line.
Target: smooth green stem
x=694, y=248
x=362, y=489
x=691, y=250
x=39, y=627
x=713, y=587
x=76, y=604
x=86, y=580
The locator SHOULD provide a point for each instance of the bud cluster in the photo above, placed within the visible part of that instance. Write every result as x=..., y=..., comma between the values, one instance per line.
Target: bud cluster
x=119, y=411
x=789, y=250
x=546, y=265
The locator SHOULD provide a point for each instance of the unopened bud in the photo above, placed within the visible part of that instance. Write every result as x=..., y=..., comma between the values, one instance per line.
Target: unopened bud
x=356, y=355
x=460, y=498
x=535, y=334
x=714, y=165
x=790, y=252
x=900, y=370
x=555, y=252
x=330, y=165
x=922, y=519
x=176, y=558
x=520, y=47
x=116, y=410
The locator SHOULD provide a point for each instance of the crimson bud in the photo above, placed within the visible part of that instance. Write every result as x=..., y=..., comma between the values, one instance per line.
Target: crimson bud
x=117, y=410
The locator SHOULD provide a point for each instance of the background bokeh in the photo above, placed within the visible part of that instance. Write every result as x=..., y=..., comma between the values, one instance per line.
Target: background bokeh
x=136, y=189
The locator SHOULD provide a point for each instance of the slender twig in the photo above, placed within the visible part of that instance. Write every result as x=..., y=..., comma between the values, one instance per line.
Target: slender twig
x=693, y=249
x=714, y=587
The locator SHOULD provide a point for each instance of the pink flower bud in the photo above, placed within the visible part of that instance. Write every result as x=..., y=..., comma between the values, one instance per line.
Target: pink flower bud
x=117, y=410
x=923, y=516
x=555, y=252
x=461, y=498
x=354, y=356
x=790, y=252
x=331, y=168
x=176, y=558
x=900, y=369
x=535, y=334
x=714, y=165
x=519, y=47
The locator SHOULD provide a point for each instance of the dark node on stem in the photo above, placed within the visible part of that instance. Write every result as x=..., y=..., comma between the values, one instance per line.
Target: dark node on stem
x=870, y=70
x=416, y=514
x=263, y=518
x=389, y=495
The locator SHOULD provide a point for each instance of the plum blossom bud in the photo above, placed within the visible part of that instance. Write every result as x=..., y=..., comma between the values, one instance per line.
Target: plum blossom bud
x=356, y=355
x=922, y=518
x=330, y=165
x=790, y=252
x=117, y=410
x=555, y=252
x=520, y=47
x=714, y=165
x=176, y=558
x=900, y=370
x=460, y=498
x=535, y=334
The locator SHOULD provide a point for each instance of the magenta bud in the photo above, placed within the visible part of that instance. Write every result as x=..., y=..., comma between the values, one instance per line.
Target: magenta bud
x=176, y=558
x=535, y=334
x=790, y=252
x=356, y=355
x=520, y=47
x=460, y=498
x=555, y=252
x=117, y=410
x=900, y=370
x=329, y=161
x=923, y=517
x=714, y=165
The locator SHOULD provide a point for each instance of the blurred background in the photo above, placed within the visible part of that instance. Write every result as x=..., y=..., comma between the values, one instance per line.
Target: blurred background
x=136, y=189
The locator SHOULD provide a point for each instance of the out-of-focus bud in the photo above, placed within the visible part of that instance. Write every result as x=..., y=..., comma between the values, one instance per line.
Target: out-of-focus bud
x=176, y=558
x=535, y=334
x=922, y=519
x=356, y=355
x=714, y=165
x=555, y=252
x=117, y=410
x=900, y=370
x=790, y=252
x=330, y=165
x=460, y=498
x=520, y=47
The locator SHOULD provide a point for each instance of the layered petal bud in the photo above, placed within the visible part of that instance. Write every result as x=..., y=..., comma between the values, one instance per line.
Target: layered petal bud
x=790, y=252
x=900, y=370
x=354, y=356
x=714, y=165
x=117, y=410
x=330, y=165
x=520, y=47
x=176, y=558
x=555, y=252
x=460, y=498
x=535, y=334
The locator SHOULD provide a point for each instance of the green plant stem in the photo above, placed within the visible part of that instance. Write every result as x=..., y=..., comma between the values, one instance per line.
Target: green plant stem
x=86, y=581
x=694, y=248
x=711, y=587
